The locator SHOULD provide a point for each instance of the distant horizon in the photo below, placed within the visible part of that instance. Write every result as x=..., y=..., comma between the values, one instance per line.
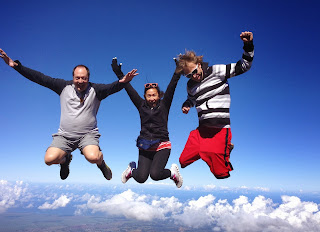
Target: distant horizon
x=167, y=185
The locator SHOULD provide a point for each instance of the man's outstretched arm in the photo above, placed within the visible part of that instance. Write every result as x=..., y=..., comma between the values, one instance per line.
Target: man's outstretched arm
x=52, y=83
x=244, y=64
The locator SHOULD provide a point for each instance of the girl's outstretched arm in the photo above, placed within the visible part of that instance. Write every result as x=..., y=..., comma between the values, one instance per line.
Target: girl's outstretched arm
x=134, y=96
x=168, y=95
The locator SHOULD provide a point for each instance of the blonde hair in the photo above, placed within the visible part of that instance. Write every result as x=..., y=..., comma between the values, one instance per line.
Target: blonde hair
x=190, y=57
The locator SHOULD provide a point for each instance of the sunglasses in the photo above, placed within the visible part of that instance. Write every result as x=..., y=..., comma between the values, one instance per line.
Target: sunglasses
x=151, y=85
x=195, y=71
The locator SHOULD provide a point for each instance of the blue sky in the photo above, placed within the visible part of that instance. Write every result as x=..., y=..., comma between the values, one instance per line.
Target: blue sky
x=274, y=109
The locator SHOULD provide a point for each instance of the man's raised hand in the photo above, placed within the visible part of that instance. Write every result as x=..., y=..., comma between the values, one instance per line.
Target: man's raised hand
x=129, y=76
x=246, y=36
x=7, y=59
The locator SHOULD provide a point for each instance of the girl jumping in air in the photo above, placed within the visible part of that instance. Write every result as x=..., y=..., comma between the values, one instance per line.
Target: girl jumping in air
x=153, y=142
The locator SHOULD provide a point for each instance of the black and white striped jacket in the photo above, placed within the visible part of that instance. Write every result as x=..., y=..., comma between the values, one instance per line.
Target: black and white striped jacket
x=211, y=96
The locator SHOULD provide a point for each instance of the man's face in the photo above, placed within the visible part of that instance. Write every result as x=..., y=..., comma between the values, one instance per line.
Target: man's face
x=80, y=79
x=193, y=71
x=152, y=97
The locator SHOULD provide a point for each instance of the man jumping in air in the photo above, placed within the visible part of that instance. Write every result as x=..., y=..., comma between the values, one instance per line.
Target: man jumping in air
x=80, y=101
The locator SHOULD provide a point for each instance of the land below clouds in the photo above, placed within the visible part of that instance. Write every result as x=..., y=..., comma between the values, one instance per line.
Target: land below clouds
x=36, y=222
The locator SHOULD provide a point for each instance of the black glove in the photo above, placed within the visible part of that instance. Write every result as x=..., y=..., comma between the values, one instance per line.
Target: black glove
x=177, y=70
x=176, y=61
x=117, y=68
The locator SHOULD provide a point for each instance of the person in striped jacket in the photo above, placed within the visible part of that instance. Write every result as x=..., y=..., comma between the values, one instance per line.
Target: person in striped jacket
x=208, y=91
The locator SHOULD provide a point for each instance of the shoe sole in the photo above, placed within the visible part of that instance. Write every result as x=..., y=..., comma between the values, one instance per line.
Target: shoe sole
x=123, y=176
x=177, y=168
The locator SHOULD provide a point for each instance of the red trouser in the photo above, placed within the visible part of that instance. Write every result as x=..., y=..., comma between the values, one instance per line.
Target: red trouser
x=211, y=145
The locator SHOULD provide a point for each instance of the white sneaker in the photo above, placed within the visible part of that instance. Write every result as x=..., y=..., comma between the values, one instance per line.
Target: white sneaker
x=127, y=174
x=175, y=175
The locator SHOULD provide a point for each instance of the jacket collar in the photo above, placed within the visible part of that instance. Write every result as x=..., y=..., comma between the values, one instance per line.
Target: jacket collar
x=205, y=69
x=145, y=104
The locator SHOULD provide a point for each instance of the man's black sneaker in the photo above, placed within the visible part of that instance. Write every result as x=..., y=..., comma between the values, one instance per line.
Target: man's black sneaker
x=64, y=168
x=106, y=171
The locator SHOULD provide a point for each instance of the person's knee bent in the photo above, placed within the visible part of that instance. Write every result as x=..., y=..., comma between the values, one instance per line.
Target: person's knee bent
x=50, y=158
x=93, y=157
x=141, y=178
x=54, y=155
x=155, y=175
x=222, y=176
x=93, y=154
x=182, y=163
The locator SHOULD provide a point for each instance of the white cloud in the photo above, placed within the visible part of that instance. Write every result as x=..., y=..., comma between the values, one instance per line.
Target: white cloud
x=259, y=215
x=29, y=206
x=132, y=205
x=10, y=194
x=193, y=214
x=262, y=189
x=295, y=212
x=167, y=205
x=240, y=215
x=225, y=188
x=62, y=201
x=209, y=187
x=161, y=183
x=187, y=188
x=85, y=197
x=242, y=188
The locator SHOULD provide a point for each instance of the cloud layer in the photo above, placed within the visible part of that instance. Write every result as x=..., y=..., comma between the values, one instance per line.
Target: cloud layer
x=262, y=214
x=9, y=194
x=60, y=202
x=207, y=211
